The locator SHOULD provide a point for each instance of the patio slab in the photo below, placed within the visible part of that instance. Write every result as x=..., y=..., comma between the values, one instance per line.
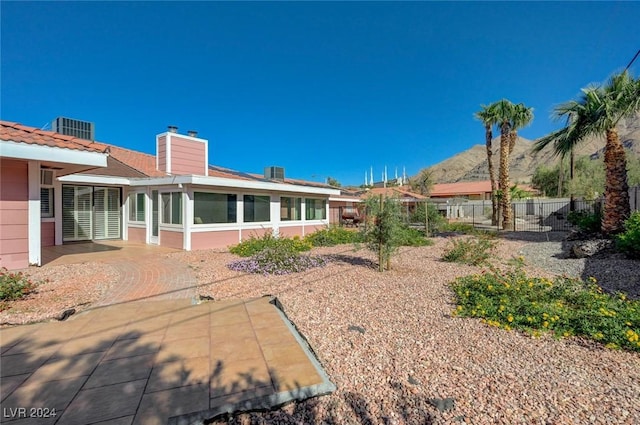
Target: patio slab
x=164, y=361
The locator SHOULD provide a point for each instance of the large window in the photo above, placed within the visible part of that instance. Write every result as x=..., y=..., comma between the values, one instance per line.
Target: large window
x=290, y=209
x=46, y=202
x=136, y=206
x=316, y=209
x=172, y=208
x=214, y=208
x=256, y=208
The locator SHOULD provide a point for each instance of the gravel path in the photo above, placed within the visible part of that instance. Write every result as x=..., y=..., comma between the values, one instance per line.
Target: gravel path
x=412, y=362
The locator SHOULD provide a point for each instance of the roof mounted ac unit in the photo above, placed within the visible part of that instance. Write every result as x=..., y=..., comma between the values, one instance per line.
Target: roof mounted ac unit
x=274, y=173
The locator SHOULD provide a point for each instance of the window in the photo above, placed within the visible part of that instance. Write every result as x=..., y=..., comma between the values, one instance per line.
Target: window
x=316, y=209
x=172, y=208
x=136, y=206
x=257, y=208
x=214, y=208
x=290, y=209
x=46, y=202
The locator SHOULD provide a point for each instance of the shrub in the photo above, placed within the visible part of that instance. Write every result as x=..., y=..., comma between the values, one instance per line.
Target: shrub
x=586, y=221
x=436, y=221
x=14, y=286
x=332, y=236
x=469, y=251
x=408, y=236
x=278, y=260
x=629, y=241
x=458, y=227
x=254, y=244
x=562, y=306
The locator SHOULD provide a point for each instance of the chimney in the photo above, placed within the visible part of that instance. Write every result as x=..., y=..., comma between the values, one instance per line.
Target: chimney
x=172, y=129
x=192, y=133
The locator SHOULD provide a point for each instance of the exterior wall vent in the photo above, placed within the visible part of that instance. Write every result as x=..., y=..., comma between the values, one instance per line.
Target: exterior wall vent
x=46, y=177
x=274, y=173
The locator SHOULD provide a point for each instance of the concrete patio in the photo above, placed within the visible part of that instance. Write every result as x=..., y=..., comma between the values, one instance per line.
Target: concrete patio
x=150, y=353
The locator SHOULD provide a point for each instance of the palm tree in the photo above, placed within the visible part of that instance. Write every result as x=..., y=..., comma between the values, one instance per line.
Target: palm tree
x=596, y=113
x=487, y=117
x=509, y=118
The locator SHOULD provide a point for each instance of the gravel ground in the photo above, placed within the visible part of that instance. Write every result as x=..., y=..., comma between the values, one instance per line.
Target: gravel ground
x=415, y=363
x=69, y=286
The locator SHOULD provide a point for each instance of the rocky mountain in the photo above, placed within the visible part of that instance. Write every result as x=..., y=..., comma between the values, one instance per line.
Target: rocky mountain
x=471, y=164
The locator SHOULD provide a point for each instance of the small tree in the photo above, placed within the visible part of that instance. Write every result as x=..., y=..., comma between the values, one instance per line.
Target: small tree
x=383, y=230
x=333, y=182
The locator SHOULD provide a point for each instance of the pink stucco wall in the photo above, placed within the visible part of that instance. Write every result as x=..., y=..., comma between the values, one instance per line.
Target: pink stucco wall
x=47, y=233
x=311, y=229
x=171, y=239
x=187, y=156
x=14, y=214
x=137, y=235
x=256, y=233
x=290, y=232
x=219, y=239
x=162, y=153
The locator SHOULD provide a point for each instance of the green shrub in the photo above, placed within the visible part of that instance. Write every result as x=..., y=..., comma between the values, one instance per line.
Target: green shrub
x=629, y=241
x=563, y=306
x=332, y=236
x=278, y=260
x=587, y=221
x=14, y=286
x=436, y=221
x=253, y=245
x=474, y=251
x=458, y=227
x=408, y=236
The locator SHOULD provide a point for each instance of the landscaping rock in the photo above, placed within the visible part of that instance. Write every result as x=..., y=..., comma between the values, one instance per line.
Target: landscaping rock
x=442, y=404
x=359, y=329
x=65, y=314
x=590, y=248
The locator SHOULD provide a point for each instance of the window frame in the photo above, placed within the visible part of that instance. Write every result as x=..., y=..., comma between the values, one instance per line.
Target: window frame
x=172, y=209
x=295, y=207
x=51, y=201
x=231, y=212
x=134, y=207
x=245, y=204
x=308, y=202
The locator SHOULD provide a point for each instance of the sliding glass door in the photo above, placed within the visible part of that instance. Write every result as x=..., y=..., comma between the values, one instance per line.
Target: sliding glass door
x=90, y=213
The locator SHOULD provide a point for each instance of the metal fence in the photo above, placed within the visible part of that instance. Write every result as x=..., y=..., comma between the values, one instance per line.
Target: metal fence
x=530, y=215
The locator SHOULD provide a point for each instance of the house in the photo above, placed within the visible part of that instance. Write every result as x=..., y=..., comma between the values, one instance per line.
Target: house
x=475, y=190
x=56, y=189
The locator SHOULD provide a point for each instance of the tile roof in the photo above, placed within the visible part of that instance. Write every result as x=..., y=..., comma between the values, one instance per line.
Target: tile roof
x=467, y=188
x=15, y=132
x=393, y=191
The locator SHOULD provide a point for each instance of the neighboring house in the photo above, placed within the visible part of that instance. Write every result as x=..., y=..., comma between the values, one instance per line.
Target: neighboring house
x=57, y=189
x=475, y=190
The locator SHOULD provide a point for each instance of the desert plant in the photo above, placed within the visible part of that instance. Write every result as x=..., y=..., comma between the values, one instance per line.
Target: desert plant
x=278, y=260
x=332, y=236
x=254, y=244
x=629, y=241
x=435, y=219
x=563, y=306
x=14, y=286
x=473, y=251
x=383, y=229
x=587, y=221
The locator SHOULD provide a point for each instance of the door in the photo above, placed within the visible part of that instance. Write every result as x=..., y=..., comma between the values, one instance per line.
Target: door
x=76, y=213
x=106, y=212
x=155, y=199
x=90, y=213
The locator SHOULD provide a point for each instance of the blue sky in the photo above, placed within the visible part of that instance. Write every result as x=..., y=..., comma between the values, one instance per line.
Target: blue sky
x=320, y=88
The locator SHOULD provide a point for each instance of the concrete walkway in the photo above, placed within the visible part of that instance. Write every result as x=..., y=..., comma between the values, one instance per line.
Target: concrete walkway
x=161, y=359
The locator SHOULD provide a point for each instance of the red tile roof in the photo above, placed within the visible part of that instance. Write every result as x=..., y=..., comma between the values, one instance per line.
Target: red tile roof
x=469, y=188
x=393, y=191
x=11, y=131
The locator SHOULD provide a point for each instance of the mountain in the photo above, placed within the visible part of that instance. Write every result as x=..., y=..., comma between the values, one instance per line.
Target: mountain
x=471, y=165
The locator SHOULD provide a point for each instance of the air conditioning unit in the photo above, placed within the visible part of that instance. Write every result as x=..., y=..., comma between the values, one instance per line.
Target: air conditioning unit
x=46, y=177
x=274, y=173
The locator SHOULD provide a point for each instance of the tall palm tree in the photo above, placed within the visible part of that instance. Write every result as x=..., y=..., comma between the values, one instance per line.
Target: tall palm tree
x=509, y=118
x=487, y=117
x=597, y=112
